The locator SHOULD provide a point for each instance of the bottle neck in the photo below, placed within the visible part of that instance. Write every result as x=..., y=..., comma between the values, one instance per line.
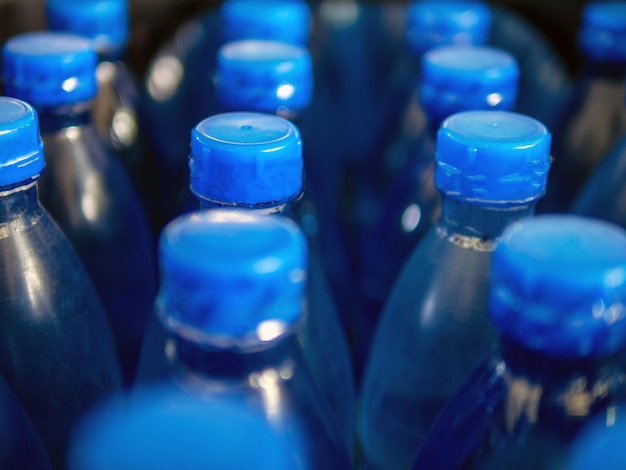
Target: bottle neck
x=55, y=118
x=19, y=207
x=285, y=208
x=475, y=225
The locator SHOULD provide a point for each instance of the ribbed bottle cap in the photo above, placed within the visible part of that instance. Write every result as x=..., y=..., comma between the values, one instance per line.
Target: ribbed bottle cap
x=105, y=22
x=277, y=20
x=231, y=273
x=464, y=78
x=21, y=147
x=264, y=76
x=602, y=34
x=246, y=159
x=163, y=430
x=436, y=23
x=49, y=69
x=559, y=286
x=492, y=158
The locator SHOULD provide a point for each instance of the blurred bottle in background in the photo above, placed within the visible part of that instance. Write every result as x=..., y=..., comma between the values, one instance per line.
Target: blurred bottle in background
x=557, y=298
x=163, y=428
x=85, y=188
x=56, y=348
x=231, y=300
x=595, y=117
x=491, y=168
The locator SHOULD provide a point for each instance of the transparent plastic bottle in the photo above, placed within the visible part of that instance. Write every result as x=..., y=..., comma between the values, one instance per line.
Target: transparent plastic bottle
x=453, y=79
x=56, y=348
x=231, y=299
x=595, y=117
x=557, y=298
x=164, y=428
x=491, y=168
x=253, y=161
x=85, y=188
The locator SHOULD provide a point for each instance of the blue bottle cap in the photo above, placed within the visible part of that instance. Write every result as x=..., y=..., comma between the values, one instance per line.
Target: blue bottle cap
x=105, y=22
x=436, y=23
x=602, y=35
x=266, y=76
x=276, y=20
x=49, y=69
x=464, y=78
x=165, y=429
x=492, y=158
x=601, y=442
x=231, y=273
x=21, y=147
x=245, y=159
x=559, y=286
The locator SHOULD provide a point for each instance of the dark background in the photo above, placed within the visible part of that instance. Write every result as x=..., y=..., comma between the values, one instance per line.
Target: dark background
x=154, y=21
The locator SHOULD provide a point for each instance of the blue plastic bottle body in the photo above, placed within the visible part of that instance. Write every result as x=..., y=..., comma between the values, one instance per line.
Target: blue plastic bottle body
x=433, y=332
x=604, y=194
x=88, y=192
x=520, y=409
x=56, y=345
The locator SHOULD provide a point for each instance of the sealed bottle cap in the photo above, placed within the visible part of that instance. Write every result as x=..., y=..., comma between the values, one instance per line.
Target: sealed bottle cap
x=602, y=35
x=231, y=273
x=276, y=20
x=49, y=69
x=492, y=158
x=21, y=147
x=464, y=78
x=164, y=429
x=559, y=286
x=254, y=75
x=105, y=22
x=437, y=23
x=246, y=159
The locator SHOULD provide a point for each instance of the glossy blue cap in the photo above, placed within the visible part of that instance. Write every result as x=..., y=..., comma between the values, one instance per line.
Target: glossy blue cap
x=602, y=34
x=21, y=147
x=246, y=159
x=166, y=430
x=558, y=286
x=276, y=20
x=492, y=158
x=464, y=78
x=230, y=272
x=266, y=76
x=49, y=69
x=437, y=23
x=105, y=22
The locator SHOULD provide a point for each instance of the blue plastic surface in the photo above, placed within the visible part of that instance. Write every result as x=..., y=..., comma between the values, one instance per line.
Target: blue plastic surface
x=225, y=273
x=559, y=286
x=460, y=78
x=47, y=68
x=602, y=35
x=435, y=23
x=601, y=443
x=105, y=22
x=21, y=153
x=492, y=158
x=162, y=428
x=230, y=150
x=256, y=75
x=278, y=20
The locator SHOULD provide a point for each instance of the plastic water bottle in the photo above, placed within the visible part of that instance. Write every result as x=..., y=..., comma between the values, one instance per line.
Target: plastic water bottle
x=491, y=168
x=595, y=118
x=453, y=79
x=557, y=298
x=115, y=107
x=56, y=348
x=85, y=188
x=253, y=161
x=231, y=298
x=163, y=428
